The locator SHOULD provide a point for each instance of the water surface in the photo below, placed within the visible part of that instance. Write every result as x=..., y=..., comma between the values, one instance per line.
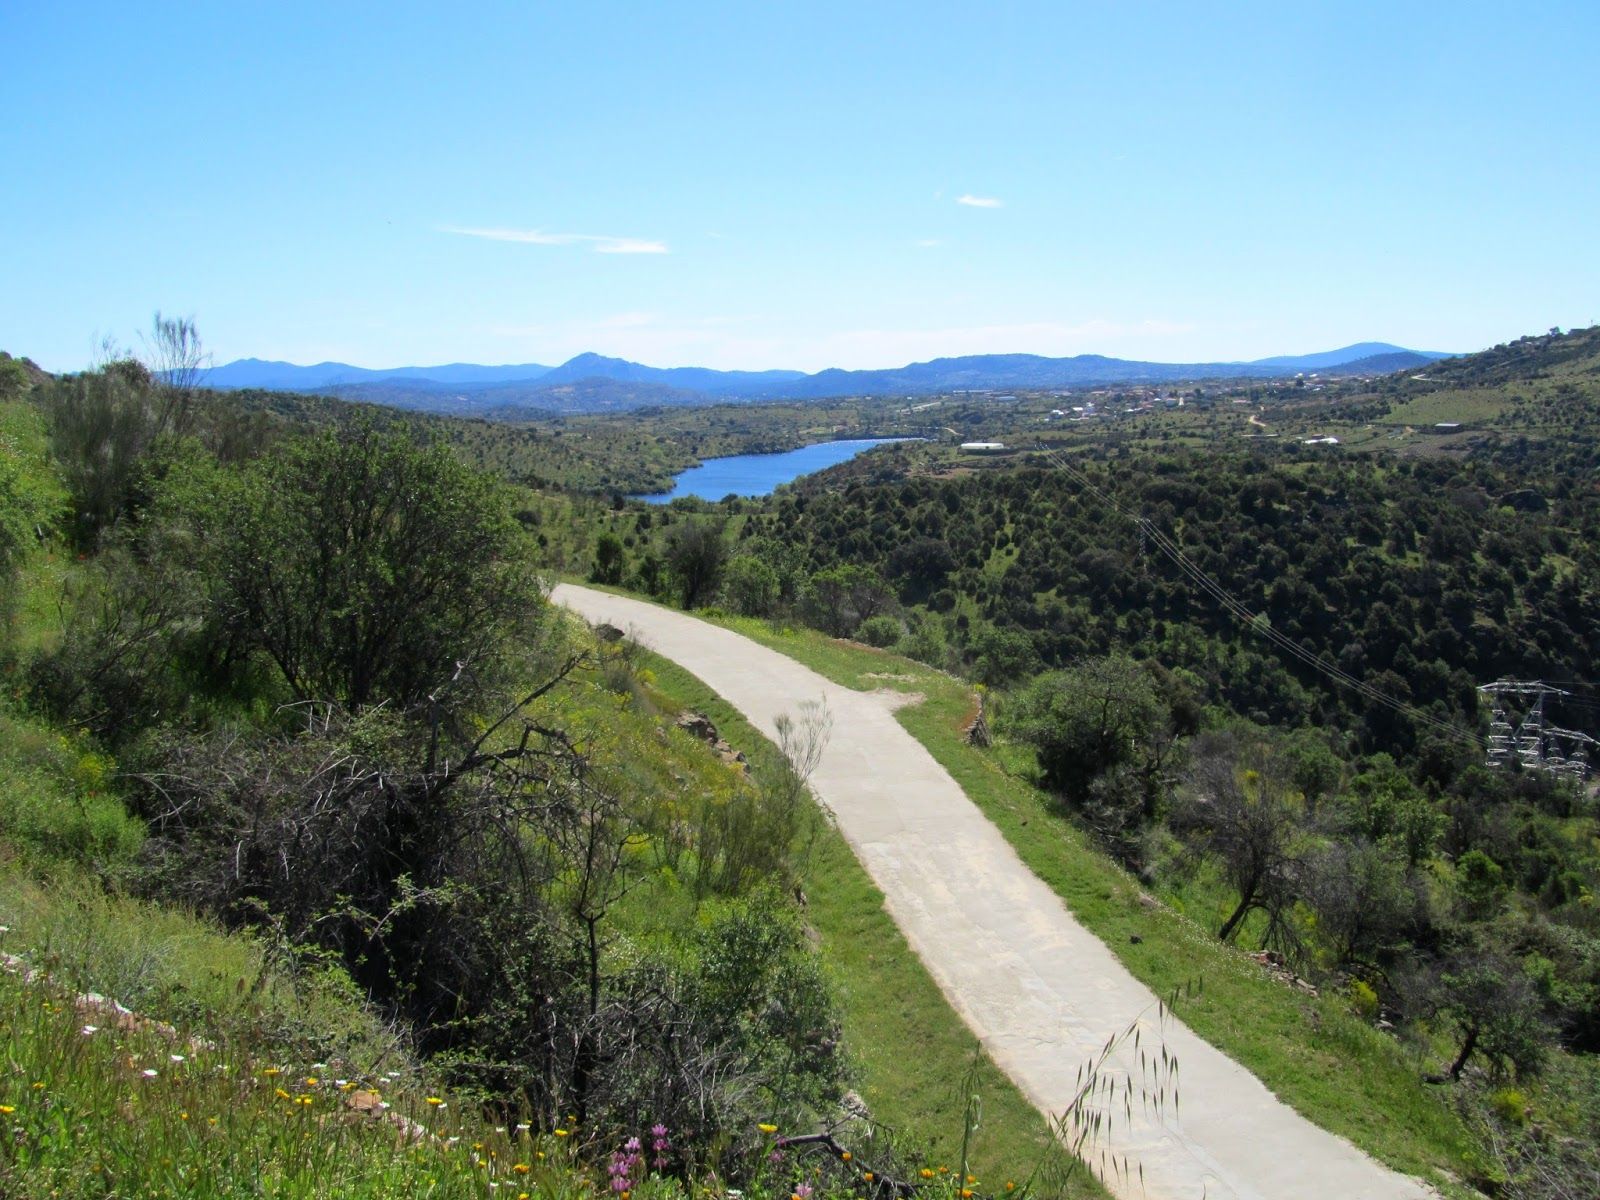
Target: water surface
x=758, y=474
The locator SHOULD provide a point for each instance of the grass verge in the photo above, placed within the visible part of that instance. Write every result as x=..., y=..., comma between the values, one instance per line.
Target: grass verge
x=917, y=1063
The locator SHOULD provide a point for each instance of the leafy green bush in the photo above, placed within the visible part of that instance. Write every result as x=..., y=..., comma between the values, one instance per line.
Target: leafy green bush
x=56, y=801
x=1363, y=999
x=31, y=497
x=882, y=631
x=364, y=566
x=751, y=586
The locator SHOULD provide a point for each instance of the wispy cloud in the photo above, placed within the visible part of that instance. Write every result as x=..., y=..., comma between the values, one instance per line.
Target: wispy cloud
x=972, y=201
x=598, y=242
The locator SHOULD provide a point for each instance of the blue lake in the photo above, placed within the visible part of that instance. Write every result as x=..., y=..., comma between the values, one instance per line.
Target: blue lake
x=758, y=474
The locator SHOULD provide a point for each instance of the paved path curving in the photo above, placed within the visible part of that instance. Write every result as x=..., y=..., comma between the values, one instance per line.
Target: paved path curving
x=1040, y=991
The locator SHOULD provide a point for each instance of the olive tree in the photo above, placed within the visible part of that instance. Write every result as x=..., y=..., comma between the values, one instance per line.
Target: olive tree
x=696, y=556
x=1240, y=806
x=365, y=566
x=1090, y=719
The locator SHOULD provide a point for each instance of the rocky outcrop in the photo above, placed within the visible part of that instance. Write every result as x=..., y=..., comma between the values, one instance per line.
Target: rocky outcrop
x=699, y=726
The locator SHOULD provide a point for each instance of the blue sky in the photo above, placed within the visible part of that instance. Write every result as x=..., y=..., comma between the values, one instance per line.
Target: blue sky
x=808, y=185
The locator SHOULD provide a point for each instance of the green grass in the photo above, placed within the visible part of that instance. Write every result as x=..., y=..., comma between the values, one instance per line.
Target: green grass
x=1312, y=1052
x=91, y=1108
x=917, y=1063
x=1470, y=406
x=178, y=967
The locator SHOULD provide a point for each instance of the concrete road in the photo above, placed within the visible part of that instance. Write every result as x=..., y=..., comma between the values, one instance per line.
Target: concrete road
x=1040, y=991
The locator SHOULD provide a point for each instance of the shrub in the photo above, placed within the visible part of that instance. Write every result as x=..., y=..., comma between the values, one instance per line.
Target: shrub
x=365, y=566
x=751, y=586
x=882, y=631
x=1510, y=1105
x=1363, y=999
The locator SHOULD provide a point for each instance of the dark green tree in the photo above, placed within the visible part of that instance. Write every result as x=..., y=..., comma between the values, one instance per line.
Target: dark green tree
x=1495, y=1010
x=365, y=566
x=610, y=560
x=1089, y=719
x=751, y=586
x=696, y=556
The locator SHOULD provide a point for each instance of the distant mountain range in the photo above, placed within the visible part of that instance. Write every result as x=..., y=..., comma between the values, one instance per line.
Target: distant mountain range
x=592, y=382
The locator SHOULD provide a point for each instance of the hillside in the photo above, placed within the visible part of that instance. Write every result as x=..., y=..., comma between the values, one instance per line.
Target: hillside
x=283, y=376
x=1541, y=384
x=1347, y=356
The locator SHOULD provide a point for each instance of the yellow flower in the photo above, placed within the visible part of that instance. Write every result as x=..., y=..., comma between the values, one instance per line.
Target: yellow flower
x=926, y=1172
x=271, y=1071
x=765, y=1128
x=435, y=1101
x=844, y=1155
x=972, y=1179
x=966, y=1194
x=1011, y=1185
x=867, y=1175
x=7, y=1109
x=280, y=1093
x=561, y=1133
x=522, y=1168
x=303, y=1101
x=311, y=1081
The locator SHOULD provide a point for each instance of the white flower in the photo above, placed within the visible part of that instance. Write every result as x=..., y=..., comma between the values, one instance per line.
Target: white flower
x=175, y=1057
x=151, y=1072
x=89, y=1030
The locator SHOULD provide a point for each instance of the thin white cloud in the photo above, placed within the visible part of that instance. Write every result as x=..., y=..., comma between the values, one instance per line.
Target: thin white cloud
x=599, y=243
x=972, y=201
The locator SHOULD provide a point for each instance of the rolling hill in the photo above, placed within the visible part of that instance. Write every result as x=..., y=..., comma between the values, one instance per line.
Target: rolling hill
x=596, y=383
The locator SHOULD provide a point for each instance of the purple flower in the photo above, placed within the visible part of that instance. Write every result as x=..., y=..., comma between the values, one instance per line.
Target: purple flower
x=622, y=1167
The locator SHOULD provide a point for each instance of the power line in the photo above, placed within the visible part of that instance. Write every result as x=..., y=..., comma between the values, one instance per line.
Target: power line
x=1257, y=623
